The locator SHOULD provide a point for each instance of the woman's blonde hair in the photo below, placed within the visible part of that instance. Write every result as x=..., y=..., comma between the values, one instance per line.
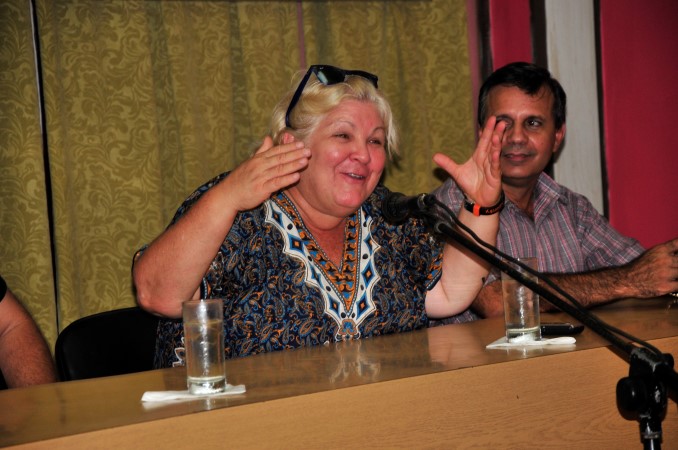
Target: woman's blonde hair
x=318, y=99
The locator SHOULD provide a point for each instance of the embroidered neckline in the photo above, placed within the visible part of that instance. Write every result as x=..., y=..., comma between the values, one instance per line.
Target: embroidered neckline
x=344, y=278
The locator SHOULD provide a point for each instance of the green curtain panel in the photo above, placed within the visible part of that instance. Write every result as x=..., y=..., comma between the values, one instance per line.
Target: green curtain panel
x=146, y=100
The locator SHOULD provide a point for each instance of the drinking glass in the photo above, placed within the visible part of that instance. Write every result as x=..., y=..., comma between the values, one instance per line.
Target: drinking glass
x=204, y=343
x=521, y=305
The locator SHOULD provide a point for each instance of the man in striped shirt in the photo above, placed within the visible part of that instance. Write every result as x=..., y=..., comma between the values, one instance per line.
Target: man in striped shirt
x=586, y=256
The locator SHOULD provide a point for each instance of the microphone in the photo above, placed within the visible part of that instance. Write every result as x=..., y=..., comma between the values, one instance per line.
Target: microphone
x=397, y=207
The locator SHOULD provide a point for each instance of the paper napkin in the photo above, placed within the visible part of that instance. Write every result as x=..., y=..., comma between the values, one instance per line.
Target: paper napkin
x=163, y=396
x=520, y=343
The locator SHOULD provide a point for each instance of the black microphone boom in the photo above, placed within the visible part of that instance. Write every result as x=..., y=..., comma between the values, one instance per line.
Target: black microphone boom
x=398, y=207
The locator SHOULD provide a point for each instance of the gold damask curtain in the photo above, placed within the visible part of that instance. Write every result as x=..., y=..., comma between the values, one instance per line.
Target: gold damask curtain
x=25, y=250
x=145, y=100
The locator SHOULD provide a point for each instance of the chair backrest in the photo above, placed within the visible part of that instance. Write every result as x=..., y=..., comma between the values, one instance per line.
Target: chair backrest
x=108, y=343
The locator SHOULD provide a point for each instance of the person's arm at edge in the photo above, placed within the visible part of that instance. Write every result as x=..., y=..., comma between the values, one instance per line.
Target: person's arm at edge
x=25, y=358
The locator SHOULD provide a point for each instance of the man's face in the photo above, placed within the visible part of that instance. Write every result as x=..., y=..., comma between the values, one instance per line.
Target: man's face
x=530, y=138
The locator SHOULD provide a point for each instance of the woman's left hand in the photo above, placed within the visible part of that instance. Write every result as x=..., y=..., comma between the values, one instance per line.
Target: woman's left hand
x=480, y=176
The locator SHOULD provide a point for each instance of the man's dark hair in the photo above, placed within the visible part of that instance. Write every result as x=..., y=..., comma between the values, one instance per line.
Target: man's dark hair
x=530, y=79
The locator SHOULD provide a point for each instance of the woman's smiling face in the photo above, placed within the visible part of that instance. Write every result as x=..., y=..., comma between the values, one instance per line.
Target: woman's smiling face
x=348, y=155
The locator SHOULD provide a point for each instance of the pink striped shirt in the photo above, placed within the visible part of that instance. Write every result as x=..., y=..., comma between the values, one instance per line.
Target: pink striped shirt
x=567, y=234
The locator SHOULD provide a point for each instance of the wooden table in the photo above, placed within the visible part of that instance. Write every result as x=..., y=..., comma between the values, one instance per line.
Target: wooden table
x=434, y=388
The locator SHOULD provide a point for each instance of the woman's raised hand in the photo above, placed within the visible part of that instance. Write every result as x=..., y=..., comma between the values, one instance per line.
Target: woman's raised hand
x=480, y=176
x=270, y=169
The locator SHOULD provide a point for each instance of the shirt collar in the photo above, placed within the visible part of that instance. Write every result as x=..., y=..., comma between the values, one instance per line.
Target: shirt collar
x=547, y=193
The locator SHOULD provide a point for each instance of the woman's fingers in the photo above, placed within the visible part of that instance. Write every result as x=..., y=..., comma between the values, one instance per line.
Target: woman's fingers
x=285, y=160
x=270, y=169
x=266, y=145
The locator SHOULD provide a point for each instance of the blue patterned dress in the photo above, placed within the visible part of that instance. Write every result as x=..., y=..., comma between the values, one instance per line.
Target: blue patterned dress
x=281, y=291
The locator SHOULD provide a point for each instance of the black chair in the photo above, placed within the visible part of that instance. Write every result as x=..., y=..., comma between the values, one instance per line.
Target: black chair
x=108, y=343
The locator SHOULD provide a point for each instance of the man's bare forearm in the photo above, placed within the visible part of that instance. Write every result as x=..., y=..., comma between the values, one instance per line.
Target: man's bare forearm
x=651, y=275
x=589, y=289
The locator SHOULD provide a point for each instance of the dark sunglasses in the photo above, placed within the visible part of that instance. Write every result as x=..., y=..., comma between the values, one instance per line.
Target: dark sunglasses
x=328, y=75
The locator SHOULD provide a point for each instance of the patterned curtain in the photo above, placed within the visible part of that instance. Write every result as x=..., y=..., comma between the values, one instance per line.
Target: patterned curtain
x=25, y=249
x=145, y=100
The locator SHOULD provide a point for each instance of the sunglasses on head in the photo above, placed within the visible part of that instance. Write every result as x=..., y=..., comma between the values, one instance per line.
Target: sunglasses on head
x=327, y=75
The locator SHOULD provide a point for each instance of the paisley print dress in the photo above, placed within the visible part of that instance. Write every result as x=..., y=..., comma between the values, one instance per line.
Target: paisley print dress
x=281, y=291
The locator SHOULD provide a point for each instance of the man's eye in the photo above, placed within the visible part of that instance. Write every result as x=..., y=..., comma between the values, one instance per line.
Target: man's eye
x=534, y=123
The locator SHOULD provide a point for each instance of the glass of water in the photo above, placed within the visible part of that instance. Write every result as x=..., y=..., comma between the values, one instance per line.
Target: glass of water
x=204, y=343
x=521, y=305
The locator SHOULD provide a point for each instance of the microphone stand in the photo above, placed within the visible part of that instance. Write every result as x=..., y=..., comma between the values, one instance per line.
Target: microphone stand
x=643, y=392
